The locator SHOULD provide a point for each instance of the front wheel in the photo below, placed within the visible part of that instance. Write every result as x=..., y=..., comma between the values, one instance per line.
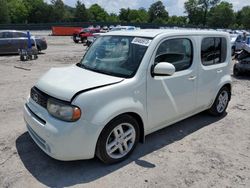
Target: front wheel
x=75, y=39
x=118, y=139
x=221, y=102
x=236, y=71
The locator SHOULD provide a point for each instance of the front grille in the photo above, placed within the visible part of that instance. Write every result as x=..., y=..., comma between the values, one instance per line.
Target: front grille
x=39, y=97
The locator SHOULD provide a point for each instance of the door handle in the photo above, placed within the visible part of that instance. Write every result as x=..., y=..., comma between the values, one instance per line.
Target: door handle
x=219, y=71
x=192, y=78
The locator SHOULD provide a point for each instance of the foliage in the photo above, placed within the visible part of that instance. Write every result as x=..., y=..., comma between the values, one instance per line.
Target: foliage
x=210, y=13
x=58, y=10
x=206, y=5
x=157, y=13
x=97, y=13
x=18, y=12
x=244, y=17
x=221, y=16
x=133, y=15
x=80, y=13
x=194, y=11
x=4, y=12
x=177, y=20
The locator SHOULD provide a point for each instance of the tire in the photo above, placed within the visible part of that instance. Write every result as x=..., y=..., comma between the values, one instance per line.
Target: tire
x=236, y=71
x=22, y=58
x=221, y=102
x=118, y=139
x=74, y=39
x=38, y=48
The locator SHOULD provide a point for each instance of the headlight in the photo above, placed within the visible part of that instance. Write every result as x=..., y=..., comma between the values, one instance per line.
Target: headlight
x=65, y=112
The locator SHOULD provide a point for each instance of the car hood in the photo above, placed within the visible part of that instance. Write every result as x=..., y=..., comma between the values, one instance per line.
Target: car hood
x=64, y=83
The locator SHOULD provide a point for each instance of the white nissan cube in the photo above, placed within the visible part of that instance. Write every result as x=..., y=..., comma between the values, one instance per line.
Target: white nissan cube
x=128, y=85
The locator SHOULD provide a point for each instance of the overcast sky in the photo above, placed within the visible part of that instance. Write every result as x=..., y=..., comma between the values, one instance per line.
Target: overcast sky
x=174, y=7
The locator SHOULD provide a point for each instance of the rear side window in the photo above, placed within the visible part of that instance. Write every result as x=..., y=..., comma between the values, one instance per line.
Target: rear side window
x=178, y=52
x=19, y=35
x=5, y=35
x=213, y=50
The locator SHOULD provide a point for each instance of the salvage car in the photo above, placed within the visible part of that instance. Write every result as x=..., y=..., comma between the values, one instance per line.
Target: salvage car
x=242, y=64
x=83, y=34
x=11, y=41
x=128, y=85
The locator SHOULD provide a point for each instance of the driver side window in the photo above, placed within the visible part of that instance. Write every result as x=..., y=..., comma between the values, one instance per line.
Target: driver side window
x=178, y=52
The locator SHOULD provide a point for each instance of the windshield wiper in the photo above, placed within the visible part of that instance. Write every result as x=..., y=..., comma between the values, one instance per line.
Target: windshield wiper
x=81, y=65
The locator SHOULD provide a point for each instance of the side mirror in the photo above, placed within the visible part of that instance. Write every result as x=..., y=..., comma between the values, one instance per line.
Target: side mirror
x=163, y=69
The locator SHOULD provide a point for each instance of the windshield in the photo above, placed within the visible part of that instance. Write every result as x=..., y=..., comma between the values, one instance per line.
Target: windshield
x=115, y=55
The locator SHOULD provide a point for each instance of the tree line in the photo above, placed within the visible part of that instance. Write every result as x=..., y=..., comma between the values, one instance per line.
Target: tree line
x=199, y=13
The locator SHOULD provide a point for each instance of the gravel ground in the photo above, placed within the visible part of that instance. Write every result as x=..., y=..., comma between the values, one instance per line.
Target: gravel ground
x=201, y=151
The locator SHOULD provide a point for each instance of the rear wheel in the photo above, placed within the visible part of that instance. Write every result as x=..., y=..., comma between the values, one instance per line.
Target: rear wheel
x=118, y=139
x=221, y=102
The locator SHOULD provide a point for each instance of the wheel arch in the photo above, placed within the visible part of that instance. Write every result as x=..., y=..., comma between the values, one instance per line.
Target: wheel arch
x=139, y=120
x=227, y=85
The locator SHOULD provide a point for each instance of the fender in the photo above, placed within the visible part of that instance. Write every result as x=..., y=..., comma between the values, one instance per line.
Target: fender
x=117, y=107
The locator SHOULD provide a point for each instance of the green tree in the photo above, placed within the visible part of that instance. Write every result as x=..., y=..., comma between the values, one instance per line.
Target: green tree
x=113, y=18
x=97, y=13
x=244, y=17
x=177, y=20
x=157, y=13
x=18, y=11
x=206, y=5
x=58, y=10
x=4, y=12
x=143, y=15
x=221, y=15
x=81, y=13
x=194, y=12
x=37, y=11
x=123, y=15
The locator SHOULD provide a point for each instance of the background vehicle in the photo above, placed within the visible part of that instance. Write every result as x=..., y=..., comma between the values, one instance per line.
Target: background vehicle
x=243, y=59
x=92, y=38
x=11, y=41
x=83, y=34
x=237, y=42
x=123, y=28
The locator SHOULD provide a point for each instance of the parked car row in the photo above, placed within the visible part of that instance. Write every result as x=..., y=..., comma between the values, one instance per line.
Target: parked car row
x=11, y=41
x=88, y=35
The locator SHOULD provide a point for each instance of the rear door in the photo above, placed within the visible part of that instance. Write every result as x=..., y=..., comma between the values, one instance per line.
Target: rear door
x=19, y=41
x=212, y=67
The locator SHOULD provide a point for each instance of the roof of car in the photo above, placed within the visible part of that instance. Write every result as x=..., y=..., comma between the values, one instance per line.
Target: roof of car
x=151, y=33
x=12, y=31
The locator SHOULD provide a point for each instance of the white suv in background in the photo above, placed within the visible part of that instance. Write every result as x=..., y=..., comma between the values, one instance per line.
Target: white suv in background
x=128, y=85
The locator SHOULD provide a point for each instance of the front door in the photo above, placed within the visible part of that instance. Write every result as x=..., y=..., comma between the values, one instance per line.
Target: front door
x=170, y=98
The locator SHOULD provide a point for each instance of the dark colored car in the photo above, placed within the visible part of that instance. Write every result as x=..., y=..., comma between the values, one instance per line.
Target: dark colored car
x=83, y=34
x=11, y=41
x=242, y=64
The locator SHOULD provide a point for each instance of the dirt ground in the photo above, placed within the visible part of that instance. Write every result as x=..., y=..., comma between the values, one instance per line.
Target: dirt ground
x=201, y=151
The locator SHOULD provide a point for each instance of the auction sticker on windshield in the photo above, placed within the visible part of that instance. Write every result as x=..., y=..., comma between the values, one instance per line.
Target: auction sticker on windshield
x=141, y=41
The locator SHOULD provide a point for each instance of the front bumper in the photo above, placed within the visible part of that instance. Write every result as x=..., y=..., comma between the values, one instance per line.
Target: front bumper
x=61, y=140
